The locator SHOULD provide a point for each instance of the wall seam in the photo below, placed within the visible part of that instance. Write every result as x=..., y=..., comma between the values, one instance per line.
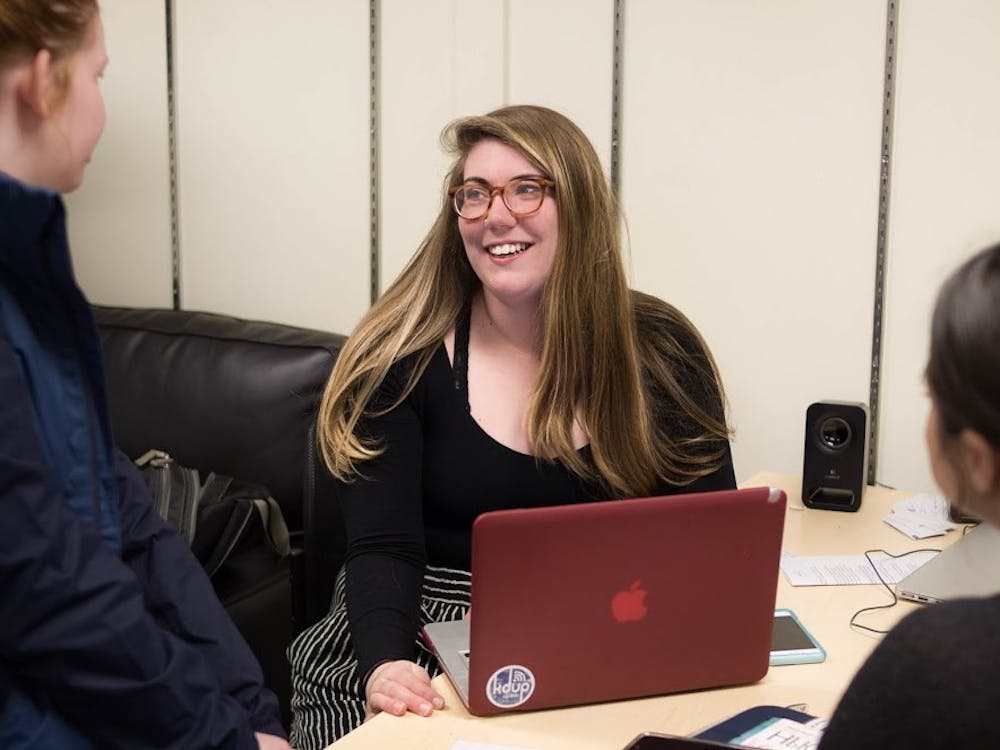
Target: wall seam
x=175, y=243
x=375, y=268
x=505, y=26
x=881, y=248
x=616, y=94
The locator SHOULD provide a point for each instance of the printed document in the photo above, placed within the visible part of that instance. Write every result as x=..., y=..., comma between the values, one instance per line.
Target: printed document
x=849, y=570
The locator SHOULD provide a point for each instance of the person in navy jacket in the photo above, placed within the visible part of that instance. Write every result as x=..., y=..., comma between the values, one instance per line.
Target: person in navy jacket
x=110, y=633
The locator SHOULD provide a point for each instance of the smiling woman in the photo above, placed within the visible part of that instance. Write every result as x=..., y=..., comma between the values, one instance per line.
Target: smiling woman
x=511, y=252
x=509, y=365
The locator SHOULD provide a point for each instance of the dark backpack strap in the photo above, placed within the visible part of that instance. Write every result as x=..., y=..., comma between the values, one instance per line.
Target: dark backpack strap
x=275, y=528
x=238, y=518
x=244, y=506
x=214, y=489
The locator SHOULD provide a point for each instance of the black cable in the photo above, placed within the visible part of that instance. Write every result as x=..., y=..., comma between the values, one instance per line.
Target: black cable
x=895, y=599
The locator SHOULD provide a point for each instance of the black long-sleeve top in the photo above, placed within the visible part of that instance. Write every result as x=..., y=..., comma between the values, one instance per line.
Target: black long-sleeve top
x=415, y=504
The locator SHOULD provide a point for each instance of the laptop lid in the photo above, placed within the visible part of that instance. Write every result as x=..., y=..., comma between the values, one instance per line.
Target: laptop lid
x=969, y=567
x=603, y=601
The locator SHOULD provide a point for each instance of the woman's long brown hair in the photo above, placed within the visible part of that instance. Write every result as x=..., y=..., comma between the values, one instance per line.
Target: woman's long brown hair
x=606, y=351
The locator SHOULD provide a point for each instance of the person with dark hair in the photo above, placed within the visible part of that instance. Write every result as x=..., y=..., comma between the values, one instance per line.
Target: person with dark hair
x=932, y=683
x=110, y=633
x=509, y=365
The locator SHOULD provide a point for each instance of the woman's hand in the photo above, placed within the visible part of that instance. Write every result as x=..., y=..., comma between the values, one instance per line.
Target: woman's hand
x=400, y=686
x=271, y=742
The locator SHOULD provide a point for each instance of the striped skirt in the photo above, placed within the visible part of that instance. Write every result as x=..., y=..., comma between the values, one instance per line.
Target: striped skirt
x=328, y=699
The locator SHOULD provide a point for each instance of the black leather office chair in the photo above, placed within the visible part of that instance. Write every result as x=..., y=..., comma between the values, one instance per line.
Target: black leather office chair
x=239, y=398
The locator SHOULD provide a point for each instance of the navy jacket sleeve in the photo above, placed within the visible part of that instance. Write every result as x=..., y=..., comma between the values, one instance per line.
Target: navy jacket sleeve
x=87, y=629
x=180, y=597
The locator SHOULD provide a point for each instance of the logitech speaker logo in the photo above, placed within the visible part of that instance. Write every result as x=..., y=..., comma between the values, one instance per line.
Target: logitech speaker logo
x=629, y=605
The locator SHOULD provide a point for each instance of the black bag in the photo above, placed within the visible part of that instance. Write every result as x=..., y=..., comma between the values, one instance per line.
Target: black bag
x=218, y=519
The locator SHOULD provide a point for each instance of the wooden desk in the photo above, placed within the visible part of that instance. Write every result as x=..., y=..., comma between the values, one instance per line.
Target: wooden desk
x=826, y=611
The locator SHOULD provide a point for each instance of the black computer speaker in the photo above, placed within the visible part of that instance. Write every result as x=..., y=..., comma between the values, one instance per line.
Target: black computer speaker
x=835, y=468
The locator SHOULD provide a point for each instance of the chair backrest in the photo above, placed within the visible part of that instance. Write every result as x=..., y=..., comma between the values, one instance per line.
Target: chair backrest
x=233, y=396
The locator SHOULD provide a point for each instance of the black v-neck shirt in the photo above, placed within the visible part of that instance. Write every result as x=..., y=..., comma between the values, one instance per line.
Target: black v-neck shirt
x=416, y=502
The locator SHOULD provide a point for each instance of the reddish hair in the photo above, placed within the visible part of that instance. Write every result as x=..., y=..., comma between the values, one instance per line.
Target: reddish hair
x=59, y=26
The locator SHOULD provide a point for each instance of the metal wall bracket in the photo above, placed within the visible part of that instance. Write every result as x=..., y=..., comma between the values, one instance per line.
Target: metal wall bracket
x=374, y=148
x=881, y=247
x=175, y=231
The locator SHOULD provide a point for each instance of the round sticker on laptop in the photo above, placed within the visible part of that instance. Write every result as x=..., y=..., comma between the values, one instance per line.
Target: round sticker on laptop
x=510, y=686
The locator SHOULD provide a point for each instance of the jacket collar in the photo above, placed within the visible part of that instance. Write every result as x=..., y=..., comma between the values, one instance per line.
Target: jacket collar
x=28, y=217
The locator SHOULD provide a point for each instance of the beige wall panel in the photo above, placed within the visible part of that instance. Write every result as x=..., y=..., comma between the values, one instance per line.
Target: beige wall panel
x=443, y=59
x=561, y=56
x=273, y=159
x=440, y=59
x=944, y=205
x=119, y=221
x=750, y=180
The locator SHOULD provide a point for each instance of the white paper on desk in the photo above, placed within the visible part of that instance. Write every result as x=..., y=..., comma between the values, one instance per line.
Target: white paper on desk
x=917, y=527
x=924, y=503
x=466, y=745
x=921, y=516
x=848, y=570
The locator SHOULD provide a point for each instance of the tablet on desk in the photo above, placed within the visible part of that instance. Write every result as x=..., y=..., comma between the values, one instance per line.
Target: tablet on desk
x=654, y=741
x=791, y=642
x=737, y=726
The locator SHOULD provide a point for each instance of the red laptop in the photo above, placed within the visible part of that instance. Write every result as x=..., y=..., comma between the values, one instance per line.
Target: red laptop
x=602, y=601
